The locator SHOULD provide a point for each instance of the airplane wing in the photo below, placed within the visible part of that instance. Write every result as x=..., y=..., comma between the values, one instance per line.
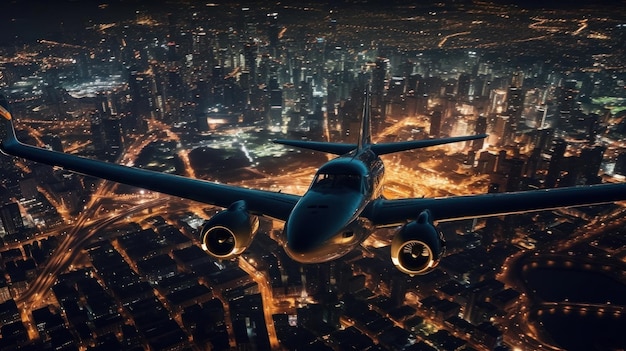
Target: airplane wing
x=272, y=204
x=383, y=212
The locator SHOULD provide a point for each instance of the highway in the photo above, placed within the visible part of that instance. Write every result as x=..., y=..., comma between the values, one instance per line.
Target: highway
x=80, y=231
x=266, y=295
x=524, y=335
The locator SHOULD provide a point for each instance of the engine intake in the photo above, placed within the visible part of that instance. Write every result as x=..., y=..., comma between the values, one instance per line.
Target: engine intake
x=229, y=232
x=418, y=246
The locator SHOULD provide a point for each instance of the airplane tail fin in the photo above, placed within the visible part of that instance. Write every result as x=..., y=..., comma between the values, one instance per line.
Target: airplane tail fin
x=7, y=132
x=365, y=136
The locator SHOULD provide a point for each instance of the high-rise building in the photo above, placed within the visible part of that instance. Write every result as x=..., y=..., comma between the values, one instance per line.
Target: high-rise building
x=567, y=95
x=250, y=52
x=544, y=139
x=379, y=80
x=413, y=81
x=276, y=107
x=591, y=161
x=517, y=80
x=97, y=132
x=486, y=163
x=481, y=128
x=593, y=124
x=141, y=86
x=11, y=218
x=113, y=140
x=435, y=123
x=273, y=32
x=463, y=86
x=533, y=163
x=515, y=106
x=556, y=160
x=503, y=129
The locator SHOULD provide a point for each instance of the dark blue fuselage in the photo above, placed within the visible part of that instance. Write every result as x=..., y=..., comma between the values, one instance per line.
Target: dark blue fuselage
x=326, y=224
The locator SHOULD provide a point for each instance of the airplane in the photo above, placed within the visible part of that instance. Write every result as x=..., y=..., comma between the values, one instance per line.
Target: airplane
x=342, y=207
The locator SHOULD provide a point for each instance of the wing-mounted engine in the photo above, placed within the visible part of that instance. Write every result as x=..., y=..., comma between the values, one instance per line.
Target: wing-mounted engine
x=229, y=232
x=418, y=246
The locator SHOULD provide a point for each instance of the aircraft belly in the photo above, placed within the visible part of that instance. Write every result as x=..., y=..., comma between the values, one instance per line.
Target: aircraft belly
x=337, y=245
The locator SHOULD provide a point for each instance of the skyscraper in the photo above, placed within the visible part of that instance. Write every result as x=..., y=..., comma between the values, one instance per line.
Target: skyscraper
x=273, y=33
x=11, y=218
x=112, y=137
x=514, y=107
x=463, y=86
x=435, y=123
x=481, y=128
x=591, y=160
x=141, y=87
x=554, y=169
x=567, y=95
x=250, y=52
x=379, y=81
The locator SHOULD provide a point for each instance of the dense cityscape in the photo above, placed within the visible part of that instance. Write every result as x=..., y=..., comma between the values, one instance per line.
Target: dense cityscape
x=201, y=89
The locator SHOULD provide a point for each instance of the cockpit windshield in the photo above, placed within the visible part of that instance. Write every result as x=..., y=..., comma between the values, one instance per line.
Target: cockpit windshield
x=337, y=181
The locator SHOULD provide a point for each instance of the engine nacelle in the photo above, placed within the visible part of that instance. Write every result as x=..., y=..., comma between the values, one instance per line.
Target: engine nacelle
x=418, y=246
x=229, y=232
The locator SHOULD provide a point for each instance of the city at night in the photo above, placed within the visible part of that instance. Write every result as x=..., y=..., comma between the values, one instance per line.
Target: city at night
x=336, y=175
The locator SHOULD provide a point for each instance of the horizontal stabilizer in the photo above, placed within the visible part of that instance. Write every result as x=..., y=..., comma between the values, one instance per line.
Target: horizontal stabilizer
x=331, y=148
x=378, y=149
x=388, y=148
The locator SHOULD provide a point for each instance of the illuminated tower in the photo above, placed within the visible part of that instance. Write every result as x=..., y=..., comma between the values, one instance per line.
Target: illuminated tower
x=112, y=137
x=379, y=80
x=502, y=129
x=276, y=98
x=141, y=86
x=515, y=106
x=541, y=113
x=480, y=85
x=250, y=52
x=273, y=32
x=567, y=95
x=517, y=80
x=97, y=133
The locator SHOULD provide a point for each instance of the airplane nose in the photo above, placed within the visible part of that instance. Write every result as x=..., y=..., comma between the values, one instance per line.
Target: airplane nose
x=305, y=236
x=302, y=239
x=299, y=245
x=314, y=224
